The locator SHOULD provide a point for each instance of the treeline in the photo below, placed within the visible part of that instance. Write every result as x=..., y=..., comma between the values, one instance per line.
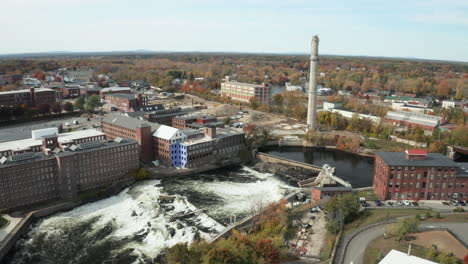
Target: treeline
x=350, y=73
x=24, y=111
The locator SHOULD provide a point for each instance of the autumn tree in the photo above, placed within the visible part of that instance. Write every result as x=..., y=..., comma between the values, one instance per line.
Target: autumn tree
x=44, y=109
x=462, y=85
x=254, y=103
x=56, y=108
x=443, y=88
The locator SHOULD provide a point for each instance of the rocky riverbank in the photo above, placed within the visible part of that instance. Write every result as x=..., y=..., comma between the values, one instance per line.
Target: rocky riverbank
x=288, y=173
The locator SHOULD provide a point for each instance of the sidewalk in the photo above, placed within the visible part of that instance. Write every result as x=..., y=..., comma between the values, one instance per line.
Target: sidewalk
x=11, y=225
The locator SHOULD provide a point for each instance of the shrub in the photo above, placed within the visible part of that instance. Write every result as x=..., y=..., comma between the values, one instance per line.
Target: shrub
x=459, y=210
x=428, y=214
x=438, y=215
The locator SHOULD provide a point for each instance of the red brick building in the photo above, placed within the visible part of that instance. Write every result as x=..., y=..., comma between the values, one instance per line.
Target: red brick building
x=30, y=97
x=125, y=102
x=319, y=193
x=117, y=125
x=418, y=175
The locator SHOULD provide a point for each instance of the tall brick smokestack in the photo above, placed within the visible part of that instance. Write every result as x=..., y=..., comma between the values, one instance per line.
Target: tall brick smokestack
x=312, y=104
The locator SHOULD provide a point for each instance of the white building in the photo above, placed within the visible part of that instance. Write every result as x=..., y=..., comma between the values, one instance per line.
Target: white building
x=244, y=92
x=454, y=103
x=290, y=87
x=397, y=257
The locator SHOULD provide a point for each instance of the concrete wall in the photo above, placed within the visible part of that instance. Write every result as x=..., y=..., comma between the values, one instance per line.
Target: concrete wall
x=269, y=158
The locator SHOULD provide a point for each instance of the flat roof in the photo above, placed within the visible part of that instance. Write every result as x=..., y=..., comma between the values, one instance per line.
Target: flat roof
x=122, y=95
x=62, y=138
x=112, y=89
x=431, y=160
x=27, y=91
x=128, y=122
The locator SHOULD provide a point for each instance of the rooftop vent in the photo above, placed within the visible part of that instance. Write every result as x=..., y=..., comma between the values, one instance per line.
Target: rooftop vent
x=73, y=147
x=3, y=160
x=88, y=145
x=118, y=139
x=23, y=156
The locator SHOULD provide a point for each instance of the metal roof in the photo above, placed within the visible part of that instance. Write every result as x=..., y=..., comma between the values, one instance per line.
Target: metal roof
x=431, y=160
x=398, y=257
x=128, y=122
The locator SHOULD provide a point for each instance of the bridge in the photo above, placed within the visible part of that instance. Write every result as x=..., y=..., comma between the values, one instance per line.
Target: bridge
x=246, y=219
x=273, y=159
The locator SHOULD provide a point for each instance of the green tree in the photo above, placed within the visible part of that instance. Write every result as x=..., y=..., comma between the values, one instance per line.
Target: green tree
x=68, y=107
x=140, y=174
x=403, y=227
x=254, y=103
x=80, y=103
x=92, y=103
x=445, y=258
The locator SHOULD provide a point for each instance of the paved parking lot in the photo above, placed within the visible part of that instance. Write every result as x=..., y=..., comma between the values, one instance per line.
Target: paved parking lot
x=22, y=131
x=435, y=205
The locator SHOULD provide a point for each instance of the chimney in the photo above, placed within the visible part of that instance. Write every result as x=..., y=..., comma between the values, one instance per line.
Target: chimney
x=226, y=79
x=210, y=131
x=33, y=96
x=49, y=143
x=416, y=154
x=139, y=99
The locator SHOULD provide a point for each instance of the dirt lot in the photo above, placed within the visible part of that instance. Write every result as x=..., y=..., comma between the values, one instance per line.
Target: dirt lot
x=443, y=240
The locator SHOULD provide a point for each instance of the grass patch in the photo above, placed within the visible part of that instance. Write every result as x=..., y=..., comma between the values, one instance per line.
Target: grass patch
x=3, y=222
x=327, y=246
x=385, y=145
x=369, y=195
x=372, y=216
x=383, y=246
x=448, y=218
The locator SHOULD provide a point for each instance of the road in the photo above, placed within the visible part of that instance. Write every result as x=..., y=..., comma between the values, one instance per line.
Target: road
x=358, y=244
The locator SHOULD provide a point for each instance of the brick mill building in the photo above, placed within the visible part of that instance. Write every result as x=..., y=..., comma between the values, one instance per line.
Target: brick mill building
x=118, y=125
x=124, y=101
x=29, y=97
x=418, y=175
x=244, y=92
x=52, y=166
x=411, y=119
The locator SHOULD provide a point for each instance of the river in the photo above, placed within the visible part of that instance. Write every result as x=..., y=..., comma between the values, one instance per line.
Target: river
x=357, y=170
x=134, y=227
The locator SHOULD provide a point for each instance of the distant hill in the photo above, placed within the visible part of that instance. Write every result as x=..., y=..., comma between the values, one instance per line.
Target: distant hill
x=149, y=52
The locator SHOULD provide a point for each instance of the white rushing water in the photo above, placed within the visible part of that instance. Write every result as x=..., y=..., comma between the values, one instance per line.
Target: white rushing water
x=135, y=221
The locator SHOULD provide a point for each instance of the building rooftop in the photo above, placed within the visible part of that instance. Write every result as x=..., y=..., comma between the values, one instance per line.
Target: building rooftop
x=166, y=132
x=122, y=95
x=128, y=122
x=336, y=189
x=24, y=144
x=431, y=160
x=195, y=141
x=67, y=152
x=226, y=132
x=242, y=84
x=462, y=169
x=422, y=119
x=397, y=257
x=190, y=132
x=115, y=89
x=148, y=108
x=27, y=91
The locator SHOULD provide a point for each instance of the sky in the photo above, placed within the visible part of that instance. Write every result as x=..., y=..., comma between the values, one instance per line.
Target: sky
x=427, y=29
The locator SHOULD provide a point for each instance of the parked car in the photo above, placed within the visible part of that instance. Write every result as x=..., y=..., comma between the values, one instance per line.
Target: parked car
x=406, y=203
x=454, y=203
x=378, y=203
x=315, y=209
x=364, y=203
x=462, y=203
x=389, y=203
x=400, y=203
x=414, y=203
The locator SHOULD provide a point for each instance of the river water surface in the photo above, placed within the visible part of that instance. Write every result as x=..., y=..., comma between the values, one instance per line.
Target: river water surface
x=357, y=170
x=134, y=227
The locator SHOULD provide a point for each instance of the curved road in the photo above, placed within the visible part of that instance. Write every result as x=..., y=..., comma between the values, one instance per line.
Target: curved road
x=358, y=244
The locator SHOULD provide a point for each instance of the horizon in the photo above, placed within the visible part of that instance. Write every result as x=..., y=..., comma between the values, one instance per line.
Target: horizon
x=64, y=53
x=426, y=30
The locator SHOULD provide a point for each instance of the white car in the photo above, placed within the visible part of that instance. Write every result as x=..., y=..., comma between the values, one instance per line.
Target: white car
x=407, y=203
